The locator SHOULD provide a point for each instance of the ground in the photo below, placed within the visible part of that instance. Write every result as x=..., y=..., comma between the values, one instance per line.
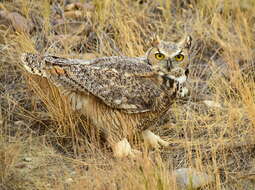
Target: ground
x=45, y=146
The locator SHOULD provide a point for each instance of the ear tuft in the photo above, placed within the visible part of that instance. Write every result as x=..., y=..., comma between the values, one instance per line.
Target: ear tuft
x=155, y=41
x=186, y=42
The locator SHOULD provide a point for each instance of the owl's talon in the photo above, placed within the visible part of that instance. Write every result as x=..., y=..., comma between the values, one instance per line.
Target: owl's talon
x=123, y=149
x=153, y=140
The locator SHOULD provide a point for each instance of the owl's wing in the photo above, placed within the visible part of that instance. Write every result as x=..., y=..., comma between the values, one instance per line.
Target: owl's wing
x=121, y=83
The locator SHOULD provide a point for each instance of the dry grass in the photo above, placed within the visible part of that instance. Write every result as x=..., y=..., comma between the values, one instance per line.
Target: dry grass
x=44, y=146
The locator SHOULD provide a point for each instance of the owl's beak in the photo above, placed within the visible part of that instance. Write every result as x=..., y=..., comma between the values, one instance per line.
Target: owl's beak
x=187, y=72
x=169, y=65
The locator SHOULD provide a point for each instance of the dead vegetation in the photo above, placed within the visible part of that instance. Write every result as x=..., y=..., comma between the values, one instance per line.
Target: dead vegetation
x=44, y=146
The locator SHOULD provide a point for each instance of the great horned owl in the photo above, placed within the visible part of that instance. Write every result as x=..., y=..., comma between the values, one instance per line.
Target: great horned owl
x=120, y=95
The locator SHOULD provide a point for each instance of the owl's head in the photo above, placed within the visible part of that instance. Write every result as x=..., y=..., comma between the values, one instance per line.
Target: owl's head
x=168, y=57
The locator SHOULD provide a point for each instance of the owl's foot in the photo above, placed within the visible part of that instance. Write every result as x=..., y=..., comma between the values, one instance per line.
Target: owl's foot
x=123, y=149
x=153, y=140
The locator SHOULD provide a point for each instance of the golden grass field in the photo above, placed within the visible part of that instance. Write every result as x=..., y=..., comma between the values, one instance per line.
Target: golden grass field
x=44, y=146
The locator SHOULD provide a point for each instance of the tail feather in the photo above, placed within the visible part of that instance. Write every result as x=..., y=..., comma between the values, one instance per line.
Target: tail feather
x=41, y=65
x=54, y=70
x=57, y=70
x=33, y=63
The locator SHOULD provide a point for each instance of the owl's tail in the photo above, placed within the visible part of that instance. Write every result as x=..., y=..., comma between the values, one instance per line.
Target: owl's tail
x=58, y=70
x=45, y=65
x=34, y=63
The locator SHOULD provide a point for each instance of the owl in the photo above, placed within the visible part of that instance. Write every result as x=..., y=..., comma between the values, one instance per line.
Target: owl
x=121, y=96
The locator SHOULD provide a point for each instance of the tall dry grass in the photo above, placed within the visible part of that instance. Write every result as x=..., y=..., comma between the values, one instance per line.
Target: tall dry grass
x=217, y=140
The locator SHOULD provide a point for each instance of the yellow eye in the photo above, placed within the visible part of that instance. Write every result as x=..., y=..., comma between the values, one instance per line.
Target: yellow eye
x=159, y=56
x=179, y=57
